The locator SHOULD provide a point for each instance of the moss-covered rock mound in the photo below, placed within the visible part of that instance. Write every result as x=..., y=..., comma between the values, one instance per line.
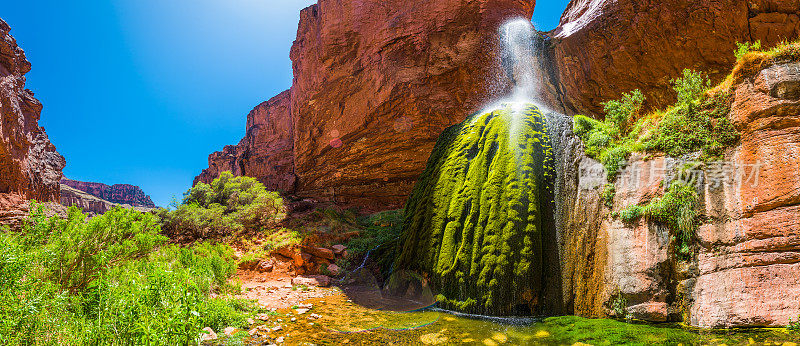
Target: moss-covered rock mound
x=475, y=220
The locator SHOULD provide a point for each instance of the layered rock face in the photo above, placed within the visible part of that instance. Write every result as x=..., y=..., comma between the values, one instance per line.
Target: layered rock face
x=377, y=82
x=746, y=255
x=749, y=262
x=265, y=152
x=117, y=193
x=476, y=219
x=91, y=204
x=30, y=167
x=603, y=48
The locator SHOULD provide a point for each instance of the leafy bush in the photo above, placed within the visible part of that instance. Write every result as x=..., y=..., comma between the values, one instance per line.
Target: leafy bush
x=110, y=280
x=227, y=206
x=609, y=190
x=705, y=127
x=697, y=122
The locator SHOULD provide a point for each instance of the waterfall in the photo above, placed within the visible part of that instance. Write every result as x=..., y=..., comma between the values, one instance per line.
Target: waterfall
x=519, y=59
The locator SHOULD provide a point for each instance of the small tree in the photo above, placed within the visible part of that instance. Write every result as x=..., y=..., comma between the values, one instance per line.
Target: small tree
x=228, y=205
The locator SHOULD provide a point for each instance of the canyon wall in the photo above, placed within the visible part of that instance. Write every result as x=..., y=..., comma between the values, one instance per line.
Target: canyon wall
x=746, y=257
x=375, y=83
x=603, y=48
x=30, y=167
x=29, y=164
x=91, y=204
x=265, y=152
x=117, y=193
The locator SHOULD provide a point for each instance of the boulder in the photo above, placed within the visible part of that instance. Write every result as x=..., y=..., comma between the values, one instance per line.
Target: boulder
x=338, y=249
x=320, y=252
x=312, y=280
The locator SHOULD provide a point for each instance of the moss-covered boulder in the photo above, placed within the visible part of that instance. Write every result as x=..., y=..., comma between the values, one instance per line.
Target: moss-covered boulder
x=475, y=220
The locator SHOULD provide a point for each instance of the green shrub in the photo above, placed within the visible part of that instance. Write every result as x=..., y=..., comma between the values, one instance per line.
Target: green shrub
x=609, y=190
x=744, y=48
x=620, y=114
x=697, y=122
x=227, y=206
x=607, y=141
x=705, y=128
x=678, y=209
x=110, y=280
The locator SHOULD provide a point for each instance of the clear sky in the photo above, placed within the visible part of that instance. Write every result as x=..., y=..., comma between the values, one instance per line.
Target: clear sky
x=141, y=91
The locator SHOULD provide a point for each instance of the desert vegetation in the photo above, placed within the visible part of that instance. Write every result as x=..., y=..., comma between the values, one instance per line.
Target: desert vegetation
x=111, y=279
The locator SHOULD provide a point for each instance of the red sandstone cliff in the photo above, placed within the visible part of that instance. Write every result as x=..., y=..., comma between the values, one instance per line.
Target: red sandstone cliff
x=266, y=150
x=603, y=48
x=30, y=167
x=374, y=85
x=118, y=193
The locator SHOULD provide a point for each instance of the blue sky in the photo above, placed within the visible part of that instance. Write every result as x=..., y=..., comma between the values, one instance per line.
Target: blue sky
x=141, y=91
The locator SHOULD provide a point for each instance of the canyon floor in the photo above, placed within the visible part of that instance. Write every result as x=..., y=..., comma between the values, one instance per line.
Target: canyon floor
x=355, y=314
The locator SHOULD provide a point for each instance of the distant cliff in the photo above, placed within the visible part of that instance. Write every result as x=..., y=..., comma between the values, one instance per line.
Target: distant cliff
x=119, y=193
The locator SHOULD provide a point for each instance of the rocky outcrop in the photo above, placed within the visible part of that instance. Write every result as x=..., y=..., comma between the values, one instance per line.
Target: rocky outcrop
x=749, y=258
x=90, y=203
x=603, y=48
x=746, y=255
x=29, y=164
x=115, y=194
x=266, y=150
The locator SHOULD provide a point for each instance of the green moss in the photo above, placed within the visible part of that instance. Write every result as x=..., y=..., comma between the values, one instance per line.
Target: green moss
x=475, y=218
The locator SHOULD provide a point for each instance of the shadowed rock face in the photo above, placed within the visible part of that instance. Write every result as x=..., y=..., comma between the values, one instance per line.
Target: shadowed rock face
x=603, y=48
x=30, y=167
x=117, y=193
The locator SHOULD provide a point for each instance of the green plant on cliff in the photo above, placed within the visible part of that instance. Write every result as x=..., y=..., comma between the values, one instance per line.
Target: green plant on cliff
x=609, y=141
x=698, y=121
x=743, y=48
x=678, y=209
x=227, y=206
x=475, y=219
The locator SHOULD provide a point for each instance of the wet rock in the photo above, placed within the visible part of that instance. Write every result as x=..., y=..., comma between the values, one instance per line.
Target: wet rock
x=312, y=280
